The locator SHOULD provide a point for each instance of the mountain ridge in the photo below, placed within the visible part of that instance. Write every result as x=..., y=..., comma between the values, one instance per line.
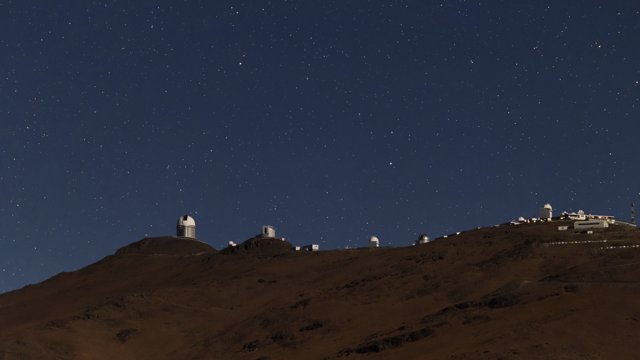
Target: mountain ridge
x=508, y=292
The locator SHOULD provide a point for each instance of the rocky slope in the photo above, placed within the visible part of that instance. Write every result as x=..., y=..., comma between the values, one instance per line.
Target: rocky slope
x=509, y=292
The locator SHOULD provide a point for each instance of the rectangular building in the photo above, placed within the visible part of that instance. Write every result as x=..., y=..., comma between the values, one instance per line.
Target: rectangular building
x=311, y=247
x=590, y=224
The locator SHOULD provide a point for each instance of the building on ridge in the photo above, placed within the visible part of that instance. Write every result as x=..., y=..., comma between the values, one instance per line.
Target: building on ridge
x=374, y=242
x=311, y=247
x=546, y=213
x=268, y=231
x=423, y=239
x=186, y=227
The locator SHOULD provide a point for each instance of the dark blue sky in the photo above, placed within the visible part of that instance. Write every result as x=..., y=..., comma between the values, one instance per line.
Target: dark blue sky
x=330, y=120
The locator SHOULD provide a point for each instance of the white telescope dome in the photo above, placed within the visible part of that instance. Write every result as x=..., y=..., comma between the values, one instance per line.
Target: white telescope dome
x=423, y=239
x=186, y=227
x=374, y=242
x=186, y=220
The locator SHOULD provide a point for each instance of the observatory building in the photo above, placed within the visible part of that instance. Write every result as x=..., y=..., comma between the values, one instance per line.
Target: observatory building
x=423, y=239
x=186, y=227
x=546, y=213
x=311, y=247
x=374, y=242
x=268, y=231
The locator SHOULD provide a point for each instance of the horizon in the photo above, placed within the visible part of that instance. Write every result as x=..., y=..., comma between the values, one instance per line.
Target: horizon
x=363, y=244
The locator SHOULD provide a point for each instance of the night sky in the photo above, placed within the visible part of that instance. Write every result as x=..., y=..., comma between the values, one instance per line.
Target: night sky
x=330, y=120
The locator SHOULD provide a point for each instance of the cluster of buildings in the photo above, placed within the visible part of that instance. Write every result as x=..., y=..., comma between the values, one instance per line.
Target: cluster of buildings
x=186, y=227
x=581, y=220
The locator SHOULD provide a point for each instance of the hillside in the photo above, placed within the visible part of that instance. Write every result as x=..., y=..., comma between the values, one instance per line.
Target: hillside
x=509, y=292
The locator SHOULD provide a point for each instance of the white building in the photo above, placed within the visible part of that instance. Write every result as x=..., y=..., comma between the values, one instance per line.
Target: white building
x=374, y=242
x=268, y=231
x=186, y=227
x=311, y=247
x=590, y=224
x=423, y=239
x=611, y=219
x=576, y=216
x=546, y=213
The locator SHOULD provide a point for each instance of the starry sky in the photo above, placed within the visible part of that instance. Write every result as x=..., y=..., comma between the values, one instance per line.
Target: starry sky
x=330, y=120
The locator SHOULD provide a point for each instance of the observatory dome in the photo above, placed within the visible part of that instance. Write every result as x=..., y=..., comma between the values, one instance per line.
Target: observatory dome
x=546, y=213
x=374, y=242
x=186, y=220
x=186, y=227
x=422, y=239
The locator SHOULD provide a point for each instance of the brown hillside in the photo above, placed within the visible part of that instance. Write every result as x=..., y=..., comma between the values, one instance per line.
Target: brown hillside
x=510, y=292
x=166, y=245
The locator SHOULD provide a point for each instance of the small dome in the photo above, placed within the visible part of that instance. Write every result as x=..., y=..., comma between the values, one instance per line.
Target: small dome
x=423, y=239
x=186, y=220
x=374, y=242
x=268, y=231
x=186, y=227
x=547, y=206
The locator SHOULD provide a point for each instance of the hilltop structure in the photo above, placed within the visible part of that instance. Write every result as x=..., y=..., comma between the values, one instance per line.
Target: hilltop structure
x=546, y=213
x=268, y=231
x=423, y=239
x=186, y=227
x=374, y=242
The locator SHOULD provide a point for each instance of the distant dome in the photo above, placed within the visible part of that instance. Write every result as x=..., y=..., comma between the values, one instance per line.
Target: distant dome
x=546, y=213
x=268, y=231
x=186, y=220
x=423, y=239
x=186, y=227
x=374, y=242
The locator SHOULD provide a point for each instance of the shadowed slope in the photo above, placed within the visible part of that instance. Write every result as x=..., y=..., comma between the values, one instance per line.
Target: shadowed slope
x=511, y=292
x=166, y=245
